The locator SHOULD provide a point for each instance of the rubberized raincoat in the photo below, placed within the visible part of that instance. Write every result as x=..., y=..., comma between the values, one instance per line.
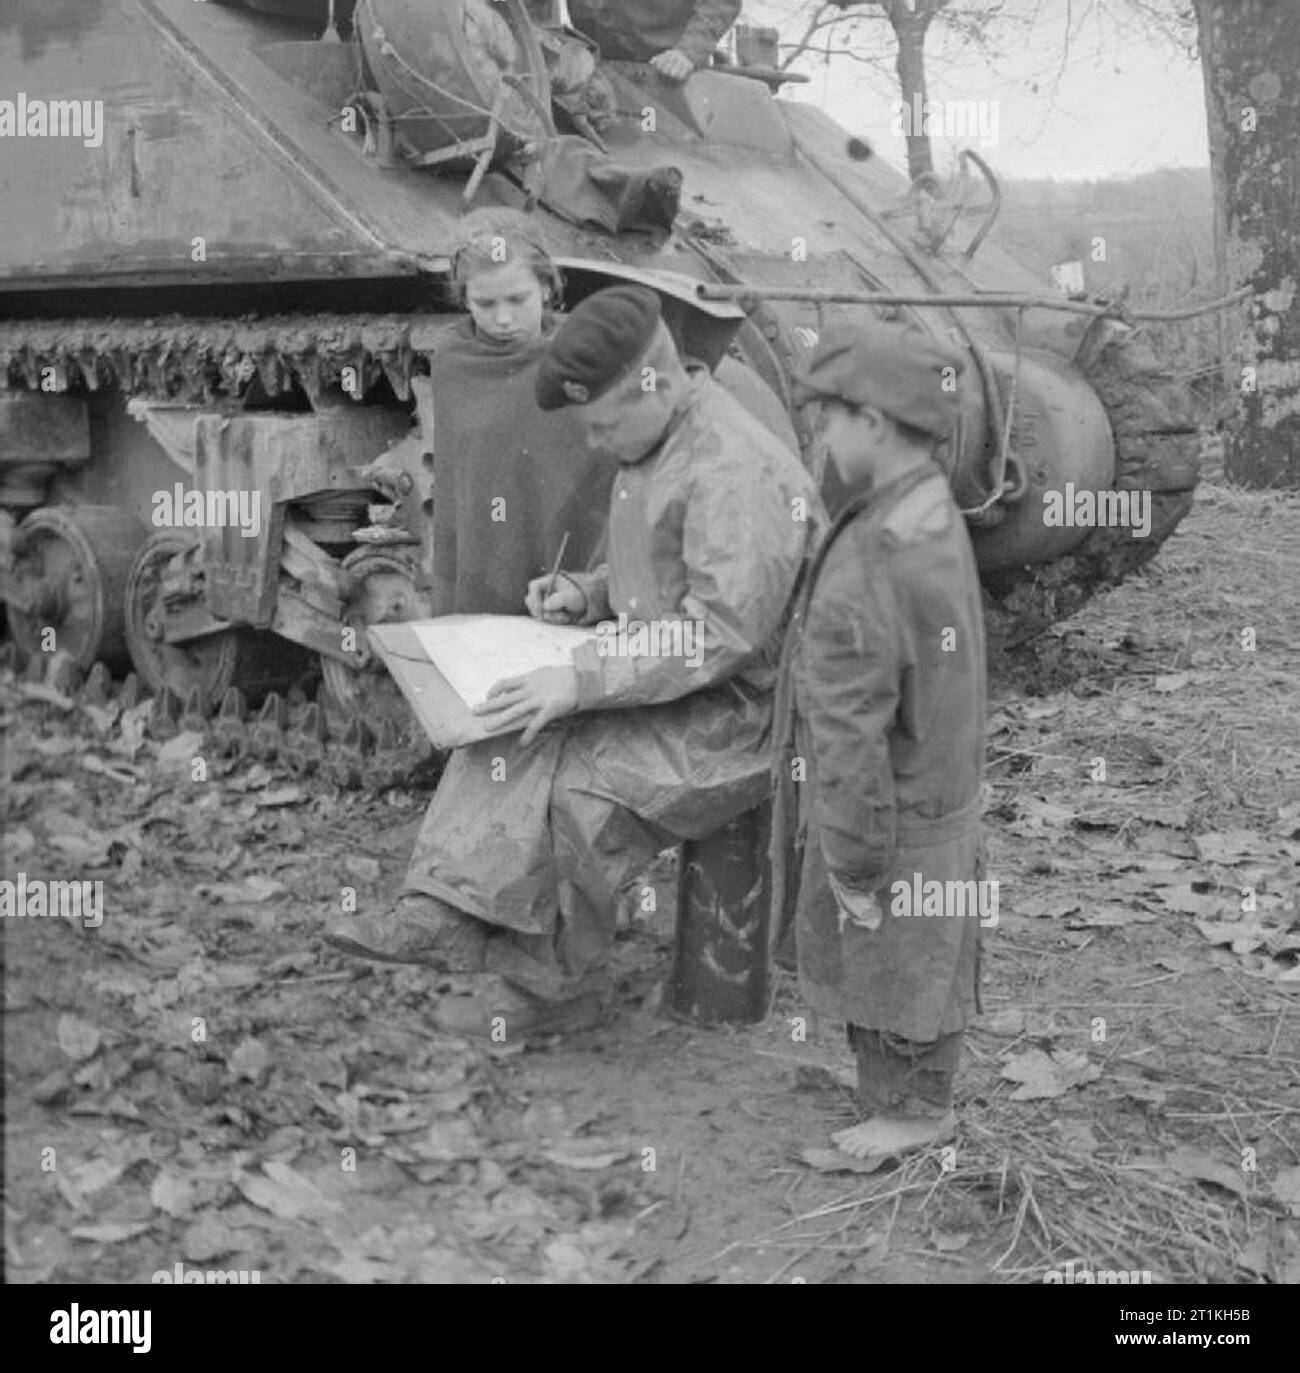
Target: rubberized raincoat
x=710, y=529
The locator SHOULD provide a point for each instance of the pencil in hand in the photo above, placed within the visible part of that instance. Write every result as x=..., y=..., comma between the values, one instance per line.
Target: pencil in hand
x=555, y=567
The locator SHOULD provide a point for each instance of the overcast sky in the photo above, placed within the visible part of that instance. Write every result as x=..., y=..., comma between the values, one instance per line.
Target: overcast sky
x=1126, y=101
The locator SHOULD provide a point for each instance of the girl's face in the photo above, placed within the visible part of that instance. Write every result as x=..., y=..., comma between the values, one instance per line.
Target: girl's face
x=506, y=303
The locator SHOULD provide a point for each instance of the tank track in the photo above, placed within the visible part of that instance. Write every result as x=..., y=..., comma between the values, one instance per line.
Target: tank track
x=182, y=358
x=304, y=736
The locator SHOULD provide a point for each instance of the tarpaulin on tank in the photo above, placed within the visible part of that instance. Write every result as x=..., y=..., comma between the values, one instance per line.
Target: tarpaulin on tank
x=579, y=183
x=462, y=79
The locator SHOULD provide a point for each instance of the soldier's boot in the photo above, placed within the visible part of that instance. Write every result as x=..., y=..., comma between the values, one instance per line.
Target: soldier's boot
x=415, y=929
x=492, y=1008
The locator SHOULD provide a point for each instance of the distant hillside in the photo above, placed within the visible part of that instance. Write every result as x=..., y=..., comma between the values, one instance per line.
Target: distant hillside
x=1158, y=232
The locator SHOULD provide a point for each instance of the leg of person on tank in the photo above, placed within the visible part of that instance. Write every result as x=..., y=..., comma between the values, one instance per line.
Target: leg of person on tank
x=884, y=680
x=510, y=483
x=660, y=729
x=676, y=37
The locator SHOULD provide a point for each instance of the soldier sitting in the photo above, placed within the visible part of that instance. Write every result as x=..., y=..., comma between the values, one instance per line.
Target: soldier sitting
x=675, y=36
x=620, y=754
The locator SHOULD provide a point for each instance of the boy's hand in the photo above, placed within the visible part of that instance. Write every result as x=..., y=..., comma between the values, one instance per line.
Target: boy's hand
x=563, y=606
x=857, y=907
x=533, y=700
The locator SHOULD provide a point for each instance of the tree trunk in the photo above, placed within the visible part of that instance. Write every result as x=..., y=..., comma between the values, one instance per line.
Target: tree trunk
x=910, y=22
x=1250, y=53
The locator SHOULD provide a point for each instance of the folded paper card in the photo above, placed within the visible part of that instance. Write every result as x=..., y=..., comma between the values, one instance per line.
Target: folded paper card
x=445, y=667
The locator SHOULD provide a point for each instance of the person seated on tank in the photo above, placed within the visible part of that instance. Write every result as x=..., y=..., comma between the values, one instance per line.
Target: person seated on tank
x=634, y=745
x=676, y=37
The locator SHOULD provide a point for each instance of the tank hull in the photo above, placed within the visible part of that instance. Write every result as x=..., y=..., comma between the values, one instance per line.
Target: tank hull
x=208, y=237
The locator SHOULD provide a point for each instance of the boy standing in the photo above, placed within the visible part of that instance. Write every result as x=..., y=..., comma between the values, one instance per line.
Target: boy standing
x=884, y=735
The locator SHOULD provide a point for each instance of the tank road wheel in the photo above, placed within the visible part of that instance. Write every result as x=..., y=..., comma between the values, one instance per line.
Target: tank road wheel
x=71, y=564
x=166, y=577
x=385, y=594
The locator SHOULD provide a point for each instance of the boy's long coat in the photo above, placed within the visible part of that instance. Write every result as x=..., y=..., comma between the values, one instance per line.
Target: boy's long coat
x=883, y=699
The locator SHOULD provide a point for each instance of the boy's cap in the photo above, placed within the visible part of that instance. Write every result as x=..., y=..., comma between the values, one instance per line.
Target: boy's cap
x=892, y=367
x=596, y=345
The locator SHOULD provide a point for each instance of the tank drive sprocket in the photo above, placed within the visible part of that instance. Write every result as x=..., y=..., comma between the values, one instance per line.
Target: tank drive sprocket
x=385, y=592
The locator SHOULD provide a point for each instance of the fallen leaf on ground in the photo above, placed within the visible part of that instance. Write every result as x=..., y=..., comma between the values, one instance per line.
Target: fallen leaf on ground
x=252, y=889
x=259, y=775
x=249, y=1059
x=1077, y=1136
x=1244, y=936
x=1202, y=1167
x=951, y=1244
x=1286, y=1188
x=210, y=1237
x=285, y=1192
x=587, y=1153
x=1048, y=1075
x=1184, y=899
x=38, y=691
x=1007, y=1023
x=77, y=1038
x=172, y=1194
x=96, y=1174
x=447, y=1140
x=121, y=773
x=134, y=722
x=112, y=1232
x=178, y=754
x=80, y=844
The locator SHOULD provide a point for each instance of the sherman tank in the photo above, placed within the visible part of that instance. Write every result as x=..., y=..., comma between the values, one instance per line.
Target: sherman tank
x=224, y=277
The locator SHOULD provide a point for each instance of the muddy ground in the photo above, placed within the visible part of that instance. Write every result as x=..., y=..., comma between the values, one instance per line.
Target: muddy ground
x=198, y=1081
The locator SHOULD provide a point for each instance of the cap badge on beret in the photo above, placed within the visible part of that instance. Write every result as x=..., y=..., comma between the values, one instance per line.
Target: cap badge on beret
x=576, y=392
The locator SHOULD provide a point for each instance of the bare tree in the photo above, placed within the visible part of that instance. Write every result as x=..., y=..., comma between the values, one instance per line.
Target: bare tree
x=1250, y=53
x=910, y=20
x=987, y=28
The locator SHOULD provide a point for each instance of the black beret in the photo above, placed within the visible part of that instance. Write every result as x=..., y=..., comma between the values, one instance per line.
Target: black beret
x=894, y=367
x=596, y=345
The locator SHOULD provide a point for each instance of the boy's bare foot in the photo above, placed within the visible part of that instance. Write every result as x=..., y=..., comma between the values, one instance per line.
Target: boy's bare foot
x=889, y=1136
